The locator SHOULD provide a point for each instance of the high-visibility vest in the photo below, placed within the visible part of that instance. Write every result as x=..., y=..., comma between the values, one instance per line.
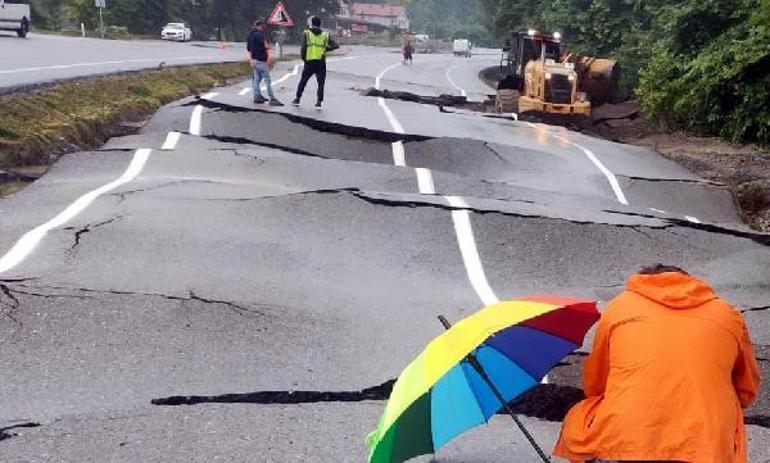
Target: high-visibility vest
x=316, y=45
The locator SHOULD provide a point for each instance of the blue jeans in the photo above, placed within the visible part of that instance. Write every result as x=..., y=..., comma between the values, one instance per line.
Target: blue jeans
x=261, y=71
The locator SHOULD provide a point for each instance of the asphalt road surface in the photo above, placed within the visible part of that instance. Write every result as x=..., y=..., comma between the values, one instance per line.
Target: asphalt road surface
x=236, y=248
x=46, y=58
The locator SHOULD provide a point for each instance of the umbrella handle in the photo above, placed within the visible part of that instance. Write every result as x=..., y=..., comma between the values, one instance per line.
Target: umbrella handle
x=474, y=362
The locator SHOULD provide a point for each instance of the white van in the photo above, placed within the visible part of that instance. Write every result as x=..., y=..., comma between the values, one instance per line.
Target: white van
x=461, y=47
x=14, y=16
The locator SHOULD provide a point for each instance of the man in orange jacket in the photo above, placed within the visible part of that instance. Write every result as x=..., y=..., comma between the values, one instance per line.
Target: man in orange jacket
x=671, y=369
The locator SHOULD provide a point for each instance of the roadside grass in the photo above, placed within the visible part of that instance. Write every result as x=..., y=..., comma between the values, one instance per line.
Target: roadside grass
x=37, y=127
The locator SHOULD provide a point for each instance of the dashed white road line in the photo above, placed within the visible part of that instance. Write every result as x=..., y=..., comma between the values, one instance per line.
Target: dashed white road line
x=425, y=181
x=171, y=140
x=471, y=258
x=453, y=83
x=692, y=219
x=399, y=157
x=460, y=218
x=32, y=238
x=196, y=121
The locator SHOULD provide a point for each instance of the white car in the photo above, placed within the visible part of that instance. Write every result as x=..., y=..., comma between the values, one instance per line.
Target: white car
x=14, y=16
x=176, y=31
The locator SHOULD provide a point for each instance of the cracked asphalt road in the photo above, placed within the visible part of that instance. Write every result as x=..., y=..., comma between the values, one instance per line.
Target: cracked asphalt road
x=279, y=269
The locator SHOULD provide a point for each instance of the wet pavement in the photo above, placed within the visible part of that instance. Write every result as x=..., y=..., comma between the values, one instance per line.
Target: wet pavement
x=262, y=251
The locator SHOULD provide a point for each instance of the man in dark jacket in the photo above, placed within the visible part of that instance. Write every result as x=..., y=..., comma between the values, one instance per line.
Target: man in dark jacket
x=315, y=43
x=259, y=54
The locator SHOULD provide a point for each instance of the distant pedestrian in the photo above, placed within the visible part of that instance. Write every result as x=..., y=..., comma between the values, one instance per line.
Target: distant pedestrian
x=261, y=62
x=315, y=43
x=407, y=50
x=671, y=369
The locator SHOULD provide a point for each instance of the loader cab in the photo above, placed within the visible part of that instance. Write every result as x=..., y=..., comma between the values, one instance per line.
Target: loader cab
x=15, y=16
x=531, y=46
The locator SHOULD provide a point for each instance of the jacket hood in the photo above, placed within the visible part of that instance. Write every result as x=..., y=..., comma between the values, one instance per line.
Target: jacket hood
x=316, y=30
x=672, y=289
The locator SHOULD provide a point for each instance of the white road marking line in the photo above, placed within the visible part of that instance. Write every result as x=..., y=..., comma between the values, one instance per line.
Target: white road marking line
x=30, y=240
x=661, y=211
x=460, y=218
x=293, y=72
x=196, y=121
x=613, y=181
x=470, y=253
x=399, y=157
x=384, y=71
x=425, y=181
x=397, y=127
x=449, y=79
x=102, y=63
x=286, y=76
x=171, y=140
x=692, y=219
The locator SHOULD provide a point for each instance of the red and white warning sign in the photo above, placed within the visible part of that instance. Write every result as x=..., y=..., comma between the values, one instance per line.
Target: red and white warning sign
x=280, y=17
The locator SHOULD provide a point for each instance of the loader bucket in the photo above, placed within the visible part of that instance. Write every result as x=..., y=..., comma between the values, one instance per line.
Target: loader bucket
x=599, y=79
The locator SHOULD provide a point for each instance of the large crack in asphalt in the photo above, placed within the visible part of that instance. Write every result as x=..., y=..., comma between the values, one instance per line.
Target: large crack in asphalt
x=755, y=309
x=88, y=228
x=674, y=180
x=316, y=124
x=9, y=307
x=546, y=401
x=5, y=432
x=241, y=309
x=759, y=238
x=667, y=222
x=549, y=402
x=442, y=100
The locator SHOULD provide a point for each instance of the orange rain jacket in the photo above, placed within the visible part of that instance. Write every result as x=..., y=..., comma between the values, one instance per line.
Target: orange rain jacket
x=671, y=367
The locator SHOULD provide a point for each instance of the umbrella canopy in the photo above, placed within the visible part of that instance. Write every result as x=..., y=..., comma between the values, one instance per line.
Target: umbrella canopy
x=439, y=395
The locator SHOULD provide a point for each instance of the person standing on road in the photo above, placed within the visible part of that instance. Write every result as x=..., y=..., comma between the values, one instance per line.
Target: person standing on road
x=407, y=50
x=315, y=43
x=259, y=57
x=671, y=369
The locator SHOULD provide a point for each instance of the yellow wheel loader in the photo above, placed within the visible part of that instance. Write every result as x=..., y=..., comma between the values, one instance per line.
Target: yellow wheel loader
x=539, y=78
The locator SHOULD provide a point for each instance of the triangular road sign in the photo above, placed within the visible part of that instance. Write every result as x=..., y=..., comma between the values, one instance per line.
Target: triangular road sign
x=280, y=17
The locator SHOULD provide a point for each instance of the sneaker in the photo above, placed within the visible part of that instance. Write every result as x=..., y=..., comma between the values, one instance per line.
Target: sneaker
x=318, y=105
x=295, y=102
x=275, y=102
x=260, y=99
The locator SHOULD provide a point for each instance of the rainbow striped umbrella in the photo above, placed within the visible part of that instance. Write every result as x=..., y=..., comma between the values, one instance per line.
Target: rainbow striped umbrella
x=472, y=370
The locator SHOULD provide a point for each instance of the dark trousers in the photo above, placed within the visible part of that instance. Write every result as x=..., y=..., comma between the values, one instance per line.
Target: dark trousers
x=317, y=68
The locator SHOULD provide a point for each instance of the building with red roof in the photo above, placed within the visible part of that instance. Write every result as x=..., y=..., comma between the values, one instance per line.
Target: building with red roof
x=380, y=16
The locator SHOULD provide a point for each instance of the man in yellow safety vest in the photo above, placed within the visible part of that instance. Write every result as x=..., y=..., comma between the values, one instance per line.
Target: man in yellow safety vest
x=315, y=43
